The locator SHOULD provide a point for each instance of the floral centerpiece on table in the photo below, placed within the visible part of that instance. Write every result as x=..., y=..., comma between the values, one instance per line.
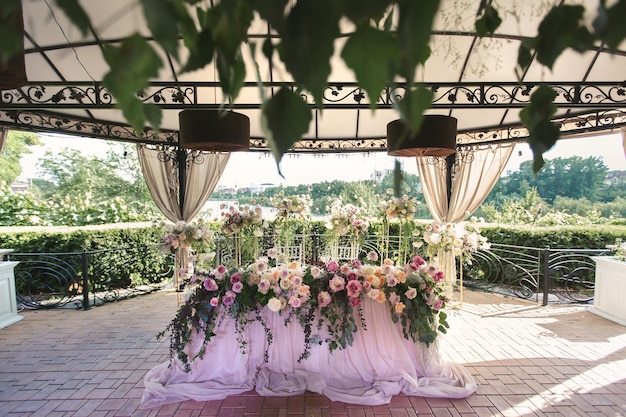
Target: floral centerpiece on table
x=326, y=300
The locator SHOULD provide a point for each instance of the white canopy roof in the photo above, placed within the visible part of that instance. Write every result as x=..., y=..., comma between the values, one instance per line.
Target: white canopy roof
x=474, y=80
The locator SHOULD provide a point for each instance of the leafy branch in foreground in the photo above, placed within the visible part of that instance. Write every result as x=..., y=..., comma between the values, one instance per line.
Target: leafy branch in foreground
x=220, y=29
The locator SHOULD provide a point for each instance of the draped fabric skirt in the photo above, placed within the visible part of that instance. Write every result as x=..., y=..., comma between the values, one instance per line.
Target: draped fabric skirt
x=379, y=364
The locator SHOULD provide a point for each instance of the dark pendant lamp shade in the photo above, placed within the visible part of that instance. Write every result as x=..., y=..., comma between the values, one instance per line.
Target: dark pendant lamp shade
x=214, y=130
x=437, y=137
x=13, y=71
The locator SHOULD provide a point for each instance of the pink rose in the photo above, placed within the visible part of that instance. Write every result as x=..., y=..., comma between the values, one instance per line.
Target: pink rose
x=354, y=288
x=237, y=287
x=210, y=284
x=332, y=266
x=337, y=283
x=355, y=302
x=214, y=301
x=323, y=299
x=236, y=277
x=229, y=298
x=295, y=302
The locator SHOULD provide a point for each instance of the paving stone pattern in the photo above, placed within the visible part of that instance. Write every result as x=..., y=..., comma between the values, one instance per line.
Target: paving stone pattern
x=528, y=360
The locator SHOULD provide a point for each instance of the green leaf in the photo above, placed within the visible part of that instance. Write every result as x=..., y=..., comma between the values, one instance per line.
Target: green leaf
x=231, y=76
x=131, y=64
x=229, y=22
x=11, y=36
x=415, y=21
x=360, y=11
x=285, y=118
x=536, y=116
x=272, y=12
x=76, y=14
x=159, y=18
x=524, y=56
x=558, y=31
x=153, y=114
x=307, y=44
x=201, y=52
x=413, y=106
x=609, y=24
x=489, y=22
x=357, y=53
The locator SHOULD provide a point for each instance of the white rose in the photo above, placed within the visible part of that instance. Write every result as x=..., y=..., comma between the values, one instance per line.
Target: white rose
x=274, y=304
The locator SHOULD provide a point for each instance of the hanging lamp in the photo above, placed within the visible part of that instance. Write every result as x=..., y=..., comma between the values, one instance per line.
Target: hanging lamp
x=437, y=137
x=214, y=130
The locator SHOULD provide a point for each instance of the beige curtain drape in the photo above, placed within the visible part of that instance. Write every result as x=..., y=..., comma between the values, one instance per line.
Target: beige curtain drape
x=3, y=137
x=160, y=170
x=161, y=175
x=475, y=172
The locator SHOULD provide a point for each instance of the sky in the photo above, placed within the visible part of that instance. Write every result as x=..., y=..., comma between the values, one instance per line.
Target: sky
x=249, y=169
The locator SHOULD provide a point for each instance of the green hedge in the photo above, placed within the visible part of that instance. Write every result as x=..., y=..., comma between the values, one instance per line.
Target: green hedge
x=148, y=267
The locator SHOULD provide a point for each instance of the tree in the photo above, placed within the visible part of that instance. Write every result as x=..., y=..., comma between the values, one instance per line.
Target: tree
x=573, y=177
x=397, y=33
x=17, y=144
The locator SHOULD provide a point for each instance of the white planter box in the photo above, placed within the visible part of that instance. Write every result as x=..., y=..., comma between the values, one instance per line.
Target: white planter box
x=8, y=303
x=610, y=289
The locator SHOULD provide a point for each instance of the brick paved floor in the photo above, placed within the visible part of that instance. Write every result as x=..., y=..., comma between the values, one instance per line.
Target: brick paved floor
x=528, y=361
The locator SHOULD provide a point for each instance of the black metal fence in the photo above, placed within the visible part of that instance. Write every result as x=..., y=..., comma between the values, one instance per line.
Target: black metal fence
x=545, y=275
x=83, y=279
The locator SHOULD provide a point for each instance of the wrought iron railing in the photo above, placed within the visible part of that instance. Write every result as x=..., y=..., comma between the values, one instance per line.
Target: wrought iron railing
x=543, y=275
x=84, y=279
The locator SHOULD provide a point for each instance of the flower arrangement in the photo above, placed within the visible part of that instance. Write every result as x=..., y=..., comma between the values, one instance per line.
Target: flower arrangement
x=292, y=206
x=460, y=238
x=325, y=299
x=236, y=218
x=398, y=208
x=347, y=220
x=196, y=235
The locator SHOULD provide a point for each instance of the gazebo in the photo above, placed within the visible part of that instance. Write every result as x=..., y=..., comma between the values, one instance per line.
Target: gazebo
x=473, y=80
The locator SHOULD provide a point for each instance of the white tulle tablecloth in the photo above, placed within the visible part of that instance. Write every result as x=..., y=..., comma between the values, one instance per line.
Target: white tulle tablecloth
x=380, y=363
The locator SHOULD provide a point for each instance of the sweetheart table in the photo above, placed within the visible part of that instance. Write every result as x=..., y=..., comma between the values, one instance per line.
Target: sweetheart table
x=380, y=363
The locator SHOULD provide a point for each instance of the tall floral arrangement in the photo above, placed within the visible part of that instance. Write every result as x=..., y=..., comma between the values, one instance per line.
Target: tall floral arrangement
x=462, y=239
x=326, y=300
x=291, y=212
x=400, y=210
x=239, y=219
x=292, y=206
x=192, y=243
x=347, y=219
x=195, y=235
